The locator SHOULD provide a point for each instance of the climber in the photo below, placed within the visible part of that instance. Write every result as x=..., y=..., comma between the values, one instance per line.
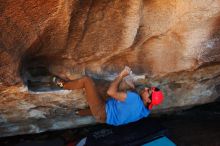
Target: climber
x=123, y=107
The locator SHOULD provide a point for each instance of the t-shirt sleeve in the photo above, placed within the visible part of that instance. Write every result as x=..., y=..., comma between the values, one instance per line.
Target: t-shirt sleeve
x=131, y=97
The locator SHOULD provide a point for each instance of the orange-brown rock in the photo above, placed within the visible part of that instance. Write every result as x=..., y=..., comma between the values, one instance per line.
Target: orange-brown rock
x=175, y=44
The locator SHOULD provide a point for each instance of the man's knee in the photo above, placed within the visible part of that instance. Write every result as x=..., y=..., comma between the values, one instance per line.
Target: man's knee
x=87, y=79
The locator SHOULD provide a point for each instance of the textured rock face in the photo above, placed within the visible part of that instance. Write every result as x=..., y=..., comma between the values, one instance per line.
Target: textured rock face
x=176, y=44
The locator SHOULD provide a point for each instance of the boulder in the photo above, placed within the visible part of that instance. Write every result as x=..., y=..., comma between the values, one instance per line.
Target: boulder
x=174, y=44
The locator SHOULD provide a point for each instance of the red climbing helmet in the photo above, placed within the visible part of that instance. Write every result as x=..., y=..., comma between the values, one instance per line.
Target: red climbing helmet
x=156, y=97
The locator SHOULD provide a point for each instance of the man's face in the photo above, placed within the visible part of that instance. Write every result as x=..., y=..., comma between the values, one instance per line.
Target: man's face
x=145, y=95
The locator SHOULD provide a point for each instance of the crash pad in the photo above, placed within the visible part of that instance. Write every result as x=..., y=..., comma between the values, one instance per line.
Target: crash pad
x=136, y=133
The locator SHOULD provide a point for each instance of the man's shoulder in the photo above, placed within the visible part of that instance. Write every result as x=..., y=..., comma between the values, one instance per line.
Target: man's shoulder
x=132, y=94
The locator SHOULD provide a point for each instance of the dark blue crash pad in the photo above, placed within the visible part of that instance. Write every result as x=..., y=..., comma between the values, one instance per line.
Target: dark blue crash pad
x=132, y=134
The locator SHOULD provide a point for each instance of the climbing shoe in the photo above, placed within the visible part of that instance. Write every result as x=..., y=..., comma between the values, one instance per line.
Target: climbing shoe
x=57, y=81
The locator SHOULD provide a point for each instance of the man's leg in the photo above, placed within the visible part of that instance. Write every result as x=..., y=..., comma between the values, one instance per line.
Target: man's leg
x=96, y=104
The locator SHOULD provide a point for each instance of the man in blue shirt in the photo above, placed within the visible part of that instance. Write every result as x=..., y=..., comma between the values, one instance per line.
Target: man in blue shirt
x=123, y=107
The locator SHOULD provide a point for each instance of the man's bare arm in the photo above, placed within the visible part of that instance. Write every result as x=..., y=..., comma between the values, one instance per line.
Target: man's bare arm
x=113, y=88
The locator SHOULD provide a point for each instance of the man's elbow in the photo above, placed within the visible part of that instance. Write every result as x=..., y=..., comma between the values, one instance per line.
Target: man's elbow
x=115, y=95
x=110, y=93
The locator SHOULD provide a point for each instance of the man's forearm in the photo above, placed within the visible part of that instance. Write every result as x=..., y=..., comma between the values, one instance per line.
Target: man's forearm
x=113, y=88
x=114, y=85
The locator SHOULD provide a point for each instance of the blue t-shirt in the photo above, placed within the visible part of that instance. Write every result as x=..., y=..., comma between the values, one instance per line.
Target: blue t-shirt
x=123, y=112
